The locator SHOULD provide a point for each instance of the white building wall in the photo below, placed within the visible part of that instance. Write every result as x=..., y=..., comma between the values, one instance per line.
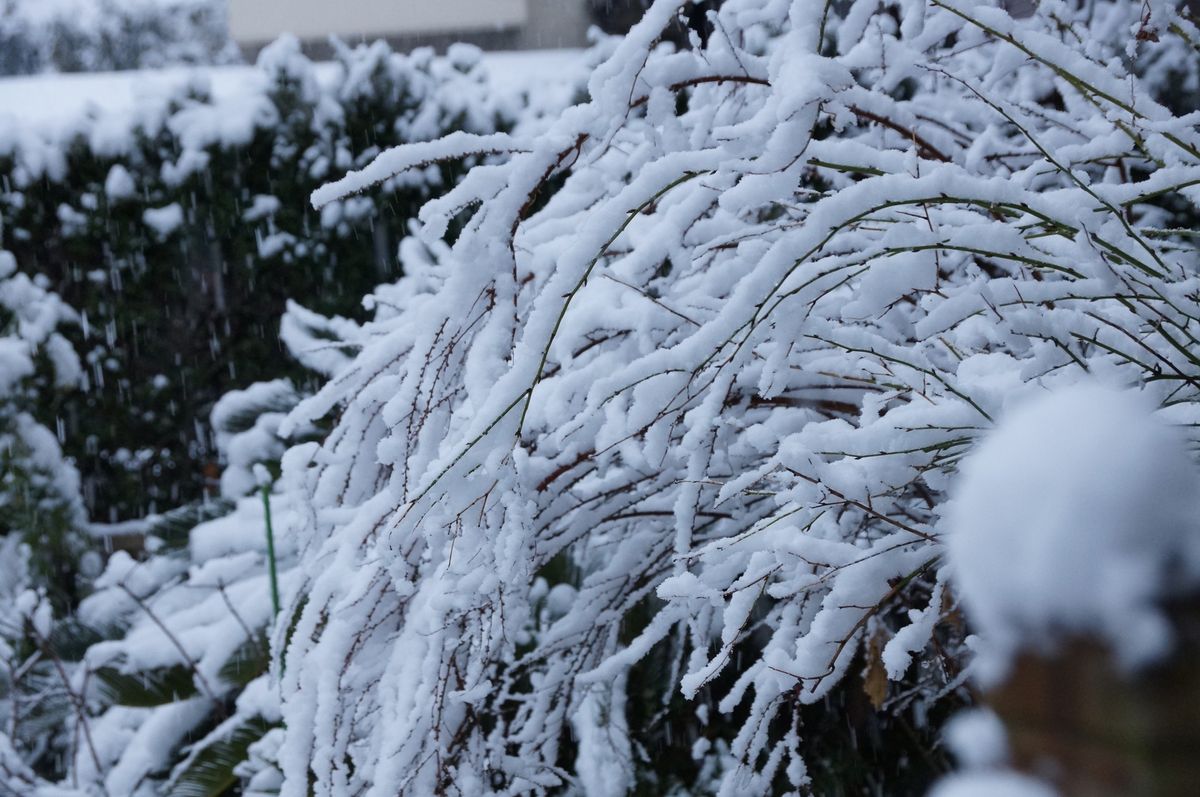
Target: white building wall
x=556, y=23
x=253, y=21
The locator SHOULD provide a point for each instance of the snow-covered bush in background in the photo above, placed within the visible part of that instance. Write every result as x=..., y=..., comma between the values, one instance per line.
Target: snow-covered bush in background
x=178, y=227
x=171, y=689
x=103, y=35
x=158, y=682
x=179, y=230
x=180, y=696
x=659, y=463
x=40, y=499
x=246, y=423
x=43, y=544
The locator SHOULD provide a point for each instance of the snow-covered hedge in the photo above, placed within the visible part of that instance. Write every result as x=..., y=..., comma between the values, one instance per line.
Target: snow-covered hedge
x=40, y=498
x=42, y=544
x=633, y=488
x=102, y=35
x=174, y=233
x=177, y=226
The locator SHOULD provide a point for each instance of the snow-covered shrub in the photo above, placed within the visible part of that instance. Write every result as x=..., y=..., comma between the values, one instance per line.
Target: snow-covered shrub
x=102, y=35
x=177, y=699
x=158, y=683
x=179, y=231
x=179, y=228
x=15, y=774
x=40, y=500
x=43, y=545
x=179, y=694
x=638, y=487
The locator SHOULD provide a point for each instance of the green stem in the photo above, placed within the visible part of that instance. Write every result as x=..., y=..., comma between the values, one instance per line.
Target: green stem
x=266, y=496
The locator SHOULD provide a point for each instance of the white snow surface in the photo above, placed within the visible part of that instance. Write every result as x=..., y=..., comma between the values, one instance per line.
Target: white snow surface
x=60, y=103
x=1074, y=517
x=245, y=448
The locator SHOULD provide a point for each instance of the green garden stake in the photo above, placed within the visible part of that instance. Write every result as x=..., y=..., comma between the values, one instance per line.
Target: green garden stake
x=266, y=496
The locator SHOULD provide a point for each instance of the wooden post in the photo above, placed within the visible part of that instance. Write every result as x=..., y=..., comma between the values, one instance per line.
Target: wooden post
x=1078, y=721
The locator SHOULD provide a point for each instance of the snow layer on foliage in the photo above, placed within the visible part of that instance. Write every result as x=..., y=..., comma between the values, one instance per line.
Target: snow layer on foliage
x=396, y=161
x=978, y=739
x=30, y=319
x=247, y=424
x=164, y=220
x=185, y=605
x=242, y=531
x=147, y=747
x=15, y=776
x=604, y=745
x=58, y=104
x=43, y=454
x=40, y=498
x=1077, y=515
x=319, y=343
x=708, y=349
x=43, y=12
x=205, y=611
x=119, y=184
x=35, y=316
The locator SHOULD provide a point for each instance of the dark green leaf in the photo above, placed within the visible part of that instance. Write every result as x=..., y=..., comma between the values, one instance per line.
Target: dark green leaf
x=145, y=689
x=209, y=770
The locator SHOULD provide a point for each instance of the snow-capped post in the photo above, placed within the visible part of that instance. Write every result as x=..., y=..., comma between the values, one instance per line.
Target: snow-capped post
x=263, y=477
x=1073, y=539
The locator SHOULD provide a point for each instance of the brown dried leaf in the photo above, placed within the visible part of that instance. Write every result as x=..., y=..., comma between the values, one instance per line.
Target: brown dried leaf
x=875, y=680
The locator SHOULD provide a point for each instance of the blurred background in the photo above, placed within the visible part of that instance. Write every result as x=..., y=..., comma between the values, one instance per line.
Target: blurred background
x=101, y=35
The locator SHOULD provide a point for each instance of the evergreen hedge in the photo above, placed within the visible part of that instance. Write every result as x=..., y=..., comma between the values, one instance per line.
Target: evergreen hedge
x=179, y=233
x=146, y=261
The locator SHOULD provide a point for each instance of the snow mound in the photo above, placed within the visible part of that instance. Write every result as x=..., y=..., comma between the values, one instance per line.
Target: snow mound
x=1076, y=515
